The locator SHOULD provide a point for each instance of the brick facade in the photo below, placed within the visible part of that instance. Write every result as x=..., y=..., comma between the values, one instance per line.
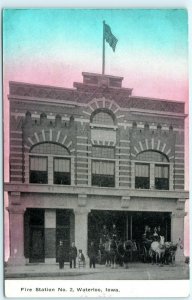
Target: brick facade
x=45, y=114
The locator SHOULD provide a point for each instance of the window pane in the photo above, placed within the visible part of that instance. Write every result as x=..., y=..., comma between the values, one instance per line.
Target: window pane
x=62, y=173
x=61, y=165
x=38, y=177
x=62, y=178
x=103, y=152
x=152, y=156
x=162, y=183
x=103, y=180
x=103, y=118
x=38, y=163
x=142, y=182
x=103, y=173
x=50, y=148
x=161, y=171
x=161, y=177
x=142, y=176
x=103, y=168
x=141, y=170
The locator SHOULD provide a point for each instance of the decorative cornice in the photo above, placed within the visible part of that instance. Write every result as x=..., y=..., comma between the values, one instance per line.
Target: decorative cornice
x=121, y=98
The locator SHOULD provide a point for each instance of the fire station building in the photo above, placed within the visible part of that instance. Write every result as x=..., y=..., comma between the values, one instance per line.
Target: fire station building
x=88, y=156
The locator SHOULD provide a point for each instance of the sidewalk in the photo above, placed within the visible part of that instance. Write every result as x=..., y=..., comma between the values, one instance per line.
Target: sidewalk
x=46, y=270
x=135, y=271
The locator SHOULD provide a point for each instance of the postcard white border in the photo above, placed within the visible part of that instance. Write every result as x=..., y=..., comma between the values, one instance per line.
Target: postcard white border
x=98, y=288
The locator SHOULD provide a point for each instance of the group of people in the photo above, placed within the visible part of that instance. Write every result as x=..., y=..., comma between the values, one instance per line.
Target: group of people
x=153, y=235
x=107, y=235
x=74, y=255
x=116, y=245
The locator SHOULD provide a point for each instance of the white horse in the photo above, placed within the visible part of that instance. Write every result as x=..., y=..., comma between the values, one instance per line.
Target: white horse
x=157, y=249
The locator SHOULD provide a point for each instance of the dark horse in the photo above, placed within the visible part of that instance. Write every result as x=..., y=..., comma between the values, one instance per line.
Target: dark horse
x=110, y=253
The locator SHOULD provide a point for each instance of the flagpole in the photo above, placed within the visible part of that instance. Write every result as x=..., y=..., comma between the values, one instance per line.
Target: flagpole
x=103, y=60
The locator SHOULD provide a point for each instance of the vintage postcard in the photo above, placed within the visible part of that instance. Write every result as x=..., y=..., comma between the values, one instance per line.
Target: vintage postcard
x=96, y=152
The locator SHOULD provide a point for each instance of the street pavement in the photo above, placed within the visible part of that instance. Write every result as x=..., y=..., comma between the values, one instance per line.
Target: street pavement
x=135, y=271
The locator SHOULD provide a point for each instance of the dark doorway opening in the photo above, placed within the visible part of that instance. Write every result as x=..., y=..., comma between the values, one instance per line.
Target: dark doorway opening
x=130, y=224
x=34, y=235
x=64, y=230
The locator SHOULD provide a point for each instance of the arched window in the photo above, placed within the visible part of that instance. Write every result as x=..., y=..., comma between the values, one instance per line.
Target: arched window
x=152, y=156
x=53, y=157
x=49, y=148
x=102, y=118
x=152, y=170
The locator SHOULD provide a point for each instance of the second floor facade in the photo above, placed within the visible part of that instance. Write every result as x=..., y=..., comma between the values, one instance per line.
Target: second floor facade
x=95, y=135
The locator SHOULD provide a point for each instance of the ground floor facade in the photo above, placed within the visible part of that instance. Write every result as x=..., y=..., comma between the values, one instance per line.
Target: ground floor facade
x=40, y=218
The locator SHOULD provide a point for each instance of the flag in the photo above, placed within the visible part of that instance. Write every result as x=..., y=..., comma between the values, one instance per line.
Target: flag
x=109, y=37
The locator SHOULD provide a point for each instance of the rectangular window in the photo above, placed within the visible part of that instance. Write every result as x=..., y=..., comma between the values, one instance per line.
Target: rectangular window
x=103, y=173
x=38, y=170
x=103, y=152
x=161, y=177
x=142, y=179
x=62, y=174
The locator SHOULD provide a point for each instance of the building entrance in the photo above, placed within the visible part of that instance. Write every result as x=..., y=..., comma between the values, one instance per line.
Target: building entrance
x=130, y=225
x=34, y=235
x=64, y=230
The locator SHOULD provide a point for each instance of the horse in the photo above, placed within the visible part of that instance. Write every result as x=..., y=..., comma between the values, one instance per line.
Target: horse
x=157, y=249
x=113, y=253
x=171, y=251
x=107, y=257
x=129, y=247
x=110, y=253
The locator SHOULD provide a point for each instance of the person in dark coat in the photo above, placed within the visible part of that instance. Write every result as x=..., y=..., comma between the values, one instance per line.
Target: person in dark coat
x=160, y=232
x=104, y=234
x=113, y=252
x=114, y=233
x=128, y=249
x=121, y=252
x=60, y=254
x=72, y=255
x=155, y=235
x=92, y=253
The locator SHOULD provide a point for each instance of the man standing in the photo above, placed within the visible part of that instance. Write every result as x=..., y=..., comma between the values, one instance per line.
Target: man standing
x=114, y=233
x=92, y=255
x=104, y=234
x=60, y=254
x=72, y=255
